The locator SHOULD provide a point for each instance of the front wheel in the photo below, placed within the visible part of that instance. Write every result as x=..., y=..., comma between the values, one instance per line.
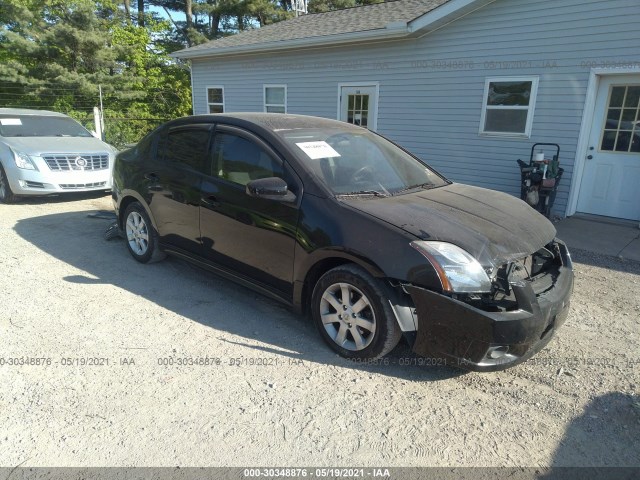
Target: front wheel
x=352, y=312
x=142, y=239
x=6, y=195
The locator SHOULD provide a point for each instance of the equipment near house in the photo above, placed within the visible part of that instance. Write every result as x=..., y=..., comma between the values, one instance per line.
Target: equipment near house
x=540, y=178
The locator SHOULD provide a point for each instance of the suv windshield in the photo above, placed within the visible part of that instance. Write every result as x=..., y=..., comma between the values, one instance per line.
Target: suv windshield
x=40, y=126
x=356, y=161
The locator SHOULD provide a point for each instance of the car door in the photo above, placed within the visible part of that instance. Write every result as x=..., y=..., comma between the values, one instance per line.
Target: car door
x=253, y=237
x=174, y=185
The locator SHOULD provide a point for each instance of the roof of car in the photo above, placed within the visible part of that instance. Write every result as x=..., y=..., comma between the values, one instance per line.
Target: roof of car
x=26, y=111
x=364, y=18
x=274, y=121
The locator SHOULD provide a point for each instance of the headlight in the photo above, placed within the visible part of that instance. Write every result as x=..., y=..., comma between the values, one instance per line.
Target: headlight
x=459, y=272
x=23, y=161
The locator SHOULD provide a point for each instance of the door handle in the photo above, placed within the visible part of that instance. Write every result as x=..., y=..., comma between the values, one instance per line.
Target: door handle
x=211, y=201
x=151, y=176
x=589, y=157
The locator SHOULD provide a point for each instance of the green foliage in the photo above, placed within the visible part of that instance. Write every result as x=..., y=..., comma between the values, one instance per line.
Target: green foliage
x=60, y=54
x=320, y=6
x=54, y=54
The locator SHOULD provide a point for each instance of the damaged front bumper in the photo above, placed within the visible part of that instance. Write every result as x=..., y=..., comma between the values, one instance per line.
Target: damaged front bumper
x=480, y=340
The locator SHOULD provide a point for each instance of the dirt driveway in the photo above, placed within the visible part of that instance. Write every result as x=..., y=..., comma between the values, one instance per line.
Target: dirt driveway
x=106, y=362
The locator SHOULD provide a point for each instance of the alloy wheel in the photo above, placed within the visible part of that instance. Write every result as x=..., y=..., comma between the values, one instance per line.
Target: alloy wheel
x=137, y=233
x=347, y=316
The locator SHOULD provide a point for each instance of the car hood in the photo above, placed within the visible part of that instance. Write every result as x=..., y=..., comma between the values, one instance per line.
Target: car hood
x=42, y=145
x=492, y=226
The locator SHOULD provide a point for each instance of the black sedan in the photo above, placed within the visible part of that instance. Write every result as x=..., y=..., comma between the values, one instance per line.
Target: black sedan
x=343, y=224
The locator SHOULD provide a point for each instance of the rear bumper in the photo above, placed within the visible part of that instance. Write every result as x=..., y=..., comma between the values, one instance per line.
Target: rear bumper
x=478, y=340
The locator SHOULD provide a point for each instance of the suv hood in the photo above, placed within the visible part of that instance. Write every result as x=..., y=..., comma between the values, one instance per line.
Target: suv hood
x=492, y=226
x=42, y=145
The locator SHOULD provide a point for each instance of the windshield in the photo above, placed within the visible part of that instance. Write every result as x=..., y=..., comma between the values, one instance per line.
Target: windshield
x=356, y=161
x=40, y=126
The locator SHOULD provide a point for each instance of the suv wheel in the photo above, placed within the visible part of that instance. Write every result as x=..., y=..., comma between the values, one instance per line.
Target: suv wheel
x=141, y=237
x=352, y=312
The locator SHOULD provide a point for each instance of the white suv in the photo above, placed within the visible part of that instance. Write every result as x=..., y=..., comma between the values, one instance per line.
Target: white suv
x=45, y=152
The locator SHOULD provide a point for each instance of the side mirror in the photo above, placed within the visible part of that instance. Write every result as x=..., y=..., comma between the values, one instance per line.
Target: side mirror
x=272, y=188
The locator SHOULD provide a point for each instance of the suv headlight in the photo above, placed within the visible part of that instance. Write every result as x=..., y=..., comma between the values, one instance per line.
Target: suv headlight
x=23, y=161
x=458, y=271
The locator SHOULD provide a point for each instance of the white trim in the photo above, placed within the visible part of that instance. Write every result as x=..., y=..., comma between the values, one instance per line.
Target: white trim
x=534, y=79
x=446, y=13
x=264, y=95
x=206, y=91
x=584, y=137
x=193, y=93
x=374, y=126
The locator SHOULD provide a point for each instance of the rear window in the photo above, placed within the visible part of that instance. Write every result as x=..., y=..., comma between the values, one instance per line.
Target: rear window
x=40, y=126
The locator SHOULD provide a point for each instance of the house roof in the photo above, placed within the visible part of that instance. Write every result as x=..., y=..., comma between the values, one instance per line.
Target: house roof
x=379, y=21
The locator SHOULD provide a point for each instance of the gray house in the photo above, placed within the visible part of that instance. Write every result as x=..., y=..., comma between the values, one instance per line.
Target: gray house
x=467, y=85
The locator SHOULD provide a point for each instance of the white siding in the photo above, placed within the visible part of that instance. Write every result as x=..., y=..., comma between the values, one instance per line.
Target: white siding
x=434, y=111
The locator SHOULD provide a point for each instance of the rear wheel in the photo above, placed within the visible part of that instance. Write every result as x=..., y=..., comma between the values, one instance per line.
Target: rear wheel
x=352, y=312
x=141, y=237
x=6, y=195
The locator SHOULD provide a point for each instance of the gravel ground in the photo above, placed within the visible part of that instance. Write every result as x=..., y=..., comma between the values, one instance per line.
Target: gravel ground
x=272, y=392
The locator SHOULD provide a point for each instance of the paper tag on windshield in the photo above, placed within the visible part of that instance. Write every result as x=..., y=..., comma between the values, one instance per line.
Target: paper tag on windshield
x=10, y=121
x=316, y=150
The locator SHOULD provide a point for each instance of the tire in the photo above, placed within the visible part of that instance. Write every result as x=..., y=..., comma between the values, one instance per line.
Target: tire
x=363, y=327
x=141, y=237
x=6, y=195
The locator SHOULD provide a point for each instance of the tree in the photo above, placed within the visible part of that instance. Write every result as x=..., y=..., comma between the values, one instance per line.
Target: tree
x=56, y=54
x=321, y=6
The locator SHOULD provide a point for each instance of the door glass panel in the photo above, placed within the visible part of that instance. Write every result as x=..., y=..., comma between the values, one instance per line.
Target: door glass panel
x=613, y=118
x=622, y=145
x=358, y=109
x=240, y=160
x=628, y=116
x=608, y=140
x=633, y=97
x=188, y=148
x=617, y=96
x=621, y=131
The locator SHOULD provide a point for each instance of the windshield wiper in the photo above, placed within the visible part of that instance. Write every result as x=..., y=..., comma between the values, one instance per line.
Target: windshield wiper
x=426, y=186
x=375, y=193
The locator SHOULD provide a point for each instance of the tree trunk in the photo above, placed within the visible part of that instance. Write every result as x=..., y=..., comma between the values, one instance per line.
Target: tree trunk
x=214, y=25
x=141, y=13
x=188, y=12
x=127, y=9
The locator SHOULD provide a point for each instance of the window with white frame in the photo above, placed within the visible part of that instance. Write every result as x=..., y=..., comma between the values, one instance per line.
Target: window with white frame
x=508, y=106
x=215, y=99
x=275, y=98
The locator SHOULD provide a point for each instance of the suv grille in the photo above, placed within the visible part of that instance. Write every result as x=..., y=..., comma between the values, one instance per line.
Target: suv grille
x=75, y=186
x=96, y=161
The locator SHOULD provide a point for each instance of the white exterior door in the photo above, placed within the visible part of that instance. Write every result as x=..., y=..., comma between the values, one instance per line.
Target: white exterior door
x=359, y=105
x=611, y=180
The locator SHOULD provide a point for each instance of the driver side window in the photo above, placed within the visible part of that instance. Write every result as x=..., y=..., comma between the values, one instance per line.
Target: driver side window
x=240, y=160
